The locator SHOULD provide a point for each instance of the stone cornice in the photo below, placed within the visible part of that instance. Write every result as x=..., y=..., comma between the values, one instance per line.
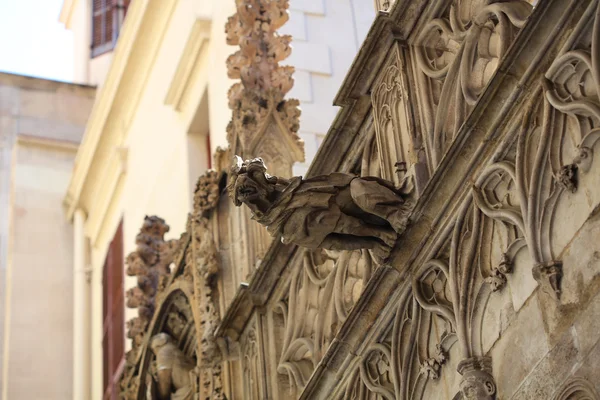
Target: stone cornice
x=36, y=83
x=49, y=143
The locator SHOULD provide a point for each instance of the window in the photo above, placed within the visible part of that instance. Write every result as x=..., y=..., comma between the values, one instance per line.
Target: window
x=107, y=19
x=113, y=313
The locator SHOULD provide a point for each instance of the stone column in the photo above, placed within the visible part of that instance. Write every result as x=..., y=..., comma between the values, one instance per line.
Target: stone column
x=477, y=382
x=81, y=311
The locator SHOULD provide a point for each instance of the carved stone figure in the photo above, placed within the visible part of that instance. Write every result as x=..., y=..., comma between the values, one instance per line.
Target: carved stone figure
x=336, y=212
x=174, y=370
x=478, y=382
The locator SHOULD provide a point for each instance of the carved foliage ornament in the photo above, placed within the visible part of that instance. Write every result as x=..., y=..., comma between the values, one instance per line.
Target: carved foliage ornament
x=150, y=264
x=264, y=83
x=206, y=194
x=204, y=261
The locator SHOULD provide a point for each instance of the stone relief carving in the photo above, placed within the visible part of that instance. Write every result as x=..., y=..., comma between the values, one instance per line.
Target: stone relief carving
x=321, y=293
x=335, y=212
x=444, y=306
x=251, y=364
x=207, y=192
x=509, y=207
x=572, y=88
x=400, y=364
x=538, y=178
x=205, y=273
x=399, y=148
x=188, y=323
x=497, y=280
x=457, y=54
x=431, y=366
x=263, y=121
x=454, y=285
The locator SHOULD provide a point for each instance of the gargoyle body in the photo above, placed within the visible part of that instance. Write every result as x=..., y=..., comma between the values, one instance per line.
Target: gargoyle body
x=337, y=211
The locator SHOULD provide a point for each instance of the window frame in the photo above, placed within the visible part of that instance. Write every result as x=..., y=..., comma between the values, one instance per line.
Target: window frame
x=118, y=9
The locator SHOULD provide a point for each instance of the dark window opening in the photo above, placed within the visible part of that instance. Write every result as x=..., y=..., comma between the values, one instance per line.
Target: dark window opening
x=107, y=20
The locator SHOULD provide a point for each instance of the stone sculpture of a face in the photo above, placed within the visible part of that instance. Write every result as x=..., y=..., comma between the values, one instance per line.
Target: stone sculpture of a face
x=251, y=185
x=338, y=211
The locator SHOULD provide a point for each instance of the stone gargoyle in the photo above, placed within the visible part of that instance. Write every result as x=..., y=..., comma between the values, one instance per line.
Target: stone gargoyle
x=337, y=211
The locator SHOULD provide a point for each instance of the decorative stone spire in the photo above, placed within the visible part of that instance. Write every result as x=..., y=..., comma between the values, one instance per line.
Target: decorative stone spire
x=263, y=123
x=150, y=264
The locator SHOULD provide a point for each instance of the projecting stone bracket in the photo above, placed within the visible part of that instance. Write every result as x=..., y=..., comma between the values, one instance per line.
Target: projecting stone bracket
x=549, y=277
x=477, y=382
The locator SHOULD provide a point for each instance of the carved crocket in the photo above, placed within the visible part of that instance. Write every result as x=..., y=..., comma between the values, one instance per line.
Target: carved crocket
x=336, y=211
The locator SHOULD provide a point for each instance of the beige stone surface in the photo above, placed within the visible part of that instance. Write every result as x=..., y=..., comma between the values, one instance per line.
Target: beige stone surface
x=40, y=284
x=41, y=123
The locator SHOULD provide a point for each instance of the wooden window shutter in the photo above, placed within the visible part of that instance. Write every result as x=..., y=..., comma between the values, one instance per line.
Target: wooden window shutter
x=125, y=6
x=107, y=18
x=113, y=324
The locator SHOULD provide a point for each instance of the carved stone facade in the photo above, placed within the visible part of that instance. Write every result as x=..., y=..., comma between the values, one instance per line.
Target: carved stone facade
x=484, y=116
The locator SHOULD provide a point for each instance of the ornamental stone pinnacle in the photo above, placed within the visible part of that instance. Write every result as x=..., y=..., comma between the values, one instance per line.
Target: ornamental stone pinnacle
x=262, y=120
x=150, y=264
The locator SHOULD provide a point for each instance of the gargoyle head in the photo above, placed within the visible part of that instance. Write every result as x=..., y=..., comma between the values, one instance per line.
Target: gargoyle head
x=250, y=184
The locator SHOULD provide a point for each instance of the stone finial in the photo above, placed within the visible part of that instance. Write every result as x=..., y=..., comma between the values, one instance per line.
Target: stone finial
x=262, y=119
x=150, y=264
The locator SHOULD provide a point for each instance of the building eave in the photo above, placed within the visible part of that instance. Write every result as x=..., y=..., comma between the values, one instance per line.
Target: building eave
x=66, y=11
